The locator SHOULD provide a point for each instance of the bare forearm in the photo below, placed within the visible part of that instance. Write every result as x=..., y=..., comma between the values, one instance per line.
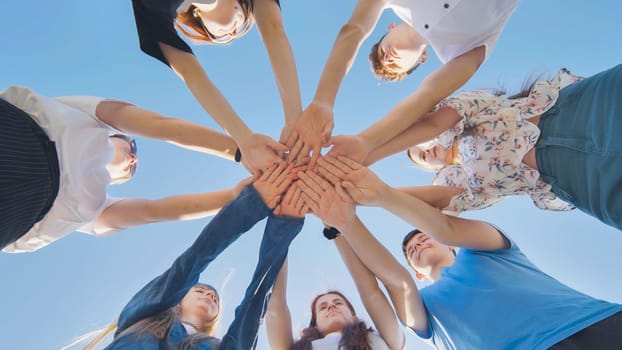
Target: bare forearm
x=189, y=206
x=284, y=68
x=398, y=120
x=419, y=214
x=379, y=263
x=206, y=93
x=425, y=129
x=198, y=138
x=278, y=317
x=339, y=62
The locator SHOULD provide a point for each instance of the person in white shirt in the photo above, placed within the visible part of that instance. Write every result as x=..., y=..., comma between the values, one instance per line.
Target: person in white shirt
x=61, y=154
x=461, y=32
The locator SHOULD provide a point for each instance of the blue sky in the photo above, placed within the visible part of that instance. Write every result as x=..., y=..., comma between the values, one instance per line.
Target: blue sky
x=73, y=47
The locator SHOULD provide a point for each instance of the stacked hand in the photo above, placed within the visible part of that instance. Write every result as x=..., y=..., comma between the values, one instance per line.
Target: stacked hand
x=360, y=183
x=310, y=133
x=260, y=152
x=329, y=202
x=351, y=146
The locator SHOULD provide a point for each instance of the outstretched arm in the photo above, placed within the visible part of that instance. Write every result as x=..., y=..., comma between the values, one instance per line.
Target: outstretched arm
x=134, y=120
x=258, y=150
x=425, y=129
x=436, y=86
x=134, y=212
x=367, y=259
x=278, y=317
x=270, y=24
x=313, y=129
x=360, y=252
x=169, y=288
x=374, y=300
x=368, y=189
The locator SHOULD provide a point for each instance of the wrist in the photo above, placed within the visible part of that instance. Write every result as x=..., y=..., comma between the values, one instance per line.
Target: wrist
x=367, y=141
x=331, y=233
x=385, y=196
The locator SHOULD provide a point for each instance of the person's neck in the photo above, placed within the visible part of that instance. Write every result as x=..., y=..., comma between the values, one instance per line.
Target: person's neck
x=435, y=272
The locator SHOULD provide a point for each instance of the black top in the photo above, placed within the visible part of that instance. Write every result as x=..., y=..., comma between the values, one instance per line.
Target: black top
x=155, y=23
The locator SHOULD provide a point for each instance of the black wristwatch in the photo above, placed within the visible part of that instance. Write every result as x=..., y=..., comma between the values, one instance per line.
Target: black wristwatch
x=331, y=233
x=238, y=155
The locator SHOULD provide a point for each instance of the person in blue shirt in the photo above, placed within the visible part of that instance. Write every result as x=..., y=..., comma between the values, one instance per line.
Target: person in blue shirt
x=487, y=295
x=174, y=311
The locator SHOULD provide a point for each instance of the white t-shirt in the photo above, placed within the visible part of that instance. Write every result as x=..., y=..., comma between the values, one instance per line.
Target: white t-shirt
x=454, y=27
x=331, y=342
x=84, y=150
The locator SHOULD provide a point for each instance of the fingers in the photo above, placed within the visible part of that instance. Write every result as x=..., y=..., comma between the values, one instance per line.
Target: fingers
x=279, y=149
x=284, y=179
x=339, y=168
x=288, y=197
x=266, y=174
x=341, y=192
x=324, y=185
x=349, y=162
x=311, y=203
x=328, y=175
x=317, y=152
x=327, y=163
x=309, y=187
x=296, y=149
x=292, y=139
x=326, y=134
x=275, y=171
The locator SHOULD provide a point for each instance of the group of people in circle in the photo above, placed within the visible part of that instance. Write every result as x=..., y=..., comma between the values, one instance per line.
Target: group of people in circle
x=60, y=154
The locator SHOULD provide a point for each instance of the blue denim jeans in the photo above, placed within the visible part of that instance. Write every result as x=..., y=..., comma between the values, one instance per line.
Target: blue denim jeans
x=579, y=151
x=168, y=289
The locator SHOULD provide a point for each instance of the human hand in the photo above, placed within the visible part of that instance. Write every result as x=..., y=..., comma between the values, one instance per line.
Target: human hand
x=245, y=182
x=360, y=183
x=351, y=146
x=273, y=182
x=311, y=132
x=260, y=152
x=292, y=204
x=331, y=204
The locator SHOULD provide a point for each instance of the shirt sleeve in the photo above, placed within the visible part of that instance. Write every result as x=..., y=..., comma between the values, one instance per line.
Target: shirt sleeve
x=168, y=289
x=87, y=105
x=155, y=26
x=278, y=235
x=469, y=199
x=468, y=104
x=90, y=228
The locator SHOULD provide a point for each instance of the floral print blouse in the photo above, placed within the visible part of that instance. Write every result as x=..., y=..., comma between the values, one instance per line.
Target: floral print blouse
x=493, y=137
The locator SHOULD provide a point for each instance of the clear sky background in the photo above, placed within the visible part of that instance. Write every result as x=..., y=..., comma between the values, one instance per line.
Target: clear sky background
x=76, y=47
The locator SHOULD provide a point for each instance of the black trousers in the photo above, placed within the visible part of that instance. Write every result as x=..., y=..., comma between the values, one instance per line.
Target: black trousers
x=603, y=335
x=29, y=173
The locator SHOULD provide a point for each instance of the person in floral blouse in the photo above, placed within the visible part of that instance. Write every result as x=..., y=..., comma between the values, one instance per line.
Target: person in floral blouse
x=557, y=144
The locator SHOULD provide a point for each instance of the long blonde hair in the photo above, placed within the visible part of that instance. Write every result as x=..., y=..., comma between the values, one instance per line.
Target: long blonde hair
x=192, y=25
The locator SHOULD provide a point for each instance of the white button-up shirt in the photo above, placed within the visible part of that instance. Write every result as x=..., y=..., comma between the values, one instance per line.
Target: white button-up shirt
x=454, y=27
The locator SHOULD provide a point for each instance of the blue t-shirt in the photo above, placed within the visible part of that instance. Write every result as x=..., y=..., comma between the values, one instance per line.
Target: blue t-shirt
x=501, y=300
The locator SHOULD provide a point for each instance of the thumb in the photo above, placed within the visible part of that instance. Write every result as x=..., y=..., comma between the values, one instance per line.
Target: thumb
x=326, y=137
x=279, y=147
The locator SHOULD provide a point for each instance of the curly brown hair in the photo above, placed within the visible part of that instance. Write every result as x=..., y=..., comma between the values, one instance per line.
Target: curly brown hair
x=383, y=72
